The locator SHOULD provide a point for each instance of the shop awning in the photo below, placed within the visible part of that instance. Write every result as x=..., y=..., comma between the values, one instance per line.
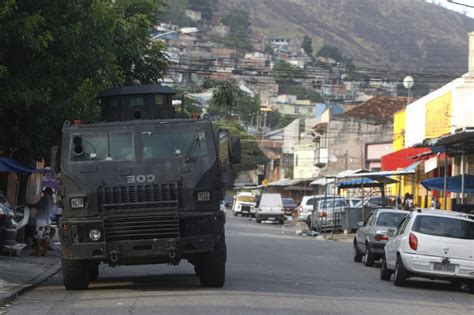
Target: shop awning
x=8, y=165
x=287, y=182
x=366, y=182
x=401, y=159
x=454, y=184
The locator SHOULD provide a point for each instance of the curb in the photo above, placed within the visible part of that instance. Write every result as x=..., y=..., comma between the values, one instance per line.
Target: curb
x=20, y=289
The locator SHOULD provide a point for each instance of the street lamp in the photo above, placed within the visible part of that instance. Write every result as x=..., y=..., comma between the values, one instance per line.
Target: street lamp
x=183, y=30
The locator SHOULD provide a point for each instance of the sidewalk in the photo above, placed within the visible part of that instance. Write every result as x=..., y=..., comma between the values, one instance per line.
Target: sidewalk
x=298, y=227
x=19, y=274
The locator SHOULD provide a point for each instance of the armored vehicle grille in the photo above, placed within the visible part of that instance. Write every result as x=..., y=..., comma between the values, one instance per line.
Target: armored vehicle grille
x=141, y=211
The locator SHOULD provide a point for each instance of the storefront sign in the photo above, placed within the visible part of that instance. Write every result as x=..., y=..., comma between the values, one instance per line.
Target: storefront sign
x=431, y=164
x=438, y=116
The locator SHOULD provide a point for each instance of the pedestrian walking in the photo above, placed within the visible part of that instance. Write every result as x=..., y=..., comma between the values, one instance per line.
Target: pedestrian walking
x=41, y=218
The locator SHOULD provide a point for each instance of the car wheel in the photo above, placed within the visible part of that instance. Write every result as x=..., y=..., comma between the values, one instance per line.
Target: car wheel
x=400, y=273
x=471, y=287
x=455, y=284
x=357, y=254
x=93, y=271
x=75, y=274
x=258, y=219
x=385, y=273
x=368, y=256
x=235, y=214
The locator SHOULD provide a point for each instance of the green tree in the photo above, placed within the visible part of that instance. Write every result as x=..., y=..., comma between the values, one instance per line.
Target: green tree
x=238, y=22
x=307, y=45
x=286, y=73
x=56, y=56
x=301, y=93
x=330, y=52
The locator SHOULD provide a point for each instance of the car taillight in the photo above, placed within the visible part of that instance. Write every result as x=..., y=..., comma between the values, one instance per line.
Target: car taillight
x=381, y=237
x=323, y=214
x=413, y=241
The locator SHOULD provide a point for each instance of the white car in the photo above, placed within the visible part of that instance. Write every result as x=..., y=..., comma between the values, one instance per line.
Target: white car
x=307, y=205
x=432, y=244
x=270, y=208
x=244, y=204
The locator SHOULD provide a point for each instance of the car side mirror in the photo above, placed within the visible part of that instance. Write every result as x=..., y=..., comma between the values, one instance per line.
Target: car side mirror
x=235, y=150
x=391, y=232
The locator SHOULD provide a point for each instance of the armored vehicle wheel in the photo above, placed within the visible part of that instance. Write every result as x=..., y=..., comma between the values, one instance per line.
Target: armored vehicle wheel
x=75, y=274
x=93, y=271
x=211, y=266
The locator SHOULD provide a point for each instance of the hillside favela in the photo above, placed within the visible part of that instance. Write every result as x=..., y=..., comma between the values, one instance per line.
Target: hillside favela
x=237, y=157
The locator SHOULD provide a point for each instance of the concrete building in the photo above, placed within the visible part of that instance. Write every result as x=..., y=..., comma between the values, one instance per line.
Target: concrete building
x=356, y=138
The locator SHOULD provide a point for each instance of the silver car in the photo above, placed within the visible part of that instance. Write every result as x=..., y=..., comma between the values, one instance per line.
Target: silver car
x=371, y=237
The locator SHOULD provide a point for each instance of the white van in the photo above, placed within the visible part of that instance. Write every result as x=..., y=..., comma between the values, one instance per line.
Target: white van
x=244, y=204
x=270, y=208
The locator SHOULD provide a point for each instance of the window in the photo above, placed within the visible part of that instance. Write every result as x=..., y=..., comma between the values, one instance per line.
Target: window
x=445, y=227
x=390, y=219
x=165, y=145
x=159, y=99
x=136, y=101
x=403, y=225
x=101, y=147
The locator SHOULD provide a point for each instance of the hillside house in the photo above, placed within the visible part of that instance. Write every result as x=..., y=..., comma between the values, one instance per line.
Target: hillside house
x=358, y=137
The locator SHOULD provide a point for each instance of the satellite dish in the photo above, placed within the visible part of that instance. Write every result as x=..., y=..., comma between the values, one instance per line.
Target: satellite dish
x=332, y=158
x=408, y=82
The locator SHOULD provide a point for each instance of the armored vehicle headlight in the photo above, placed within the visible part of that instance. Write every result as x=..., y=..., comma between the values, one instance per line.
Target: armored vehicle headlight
x=204, y=195
x=95, y=235
x=77, y=202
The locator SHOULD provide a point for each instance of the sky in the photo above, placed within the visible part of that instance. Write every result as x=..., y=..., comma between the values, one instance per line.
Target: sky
x=457, y=7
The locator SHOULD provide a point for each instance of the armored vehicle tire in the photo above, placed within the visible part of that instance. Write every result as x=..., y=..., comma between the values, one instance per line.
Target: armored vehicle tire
x=75, y=274
x=211, y=266
x=93, y=271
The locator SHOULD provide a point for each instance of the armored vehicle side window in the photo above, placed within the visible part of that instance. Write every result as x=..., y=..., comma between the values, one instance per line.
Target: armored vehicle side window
x=101, y=147
x=165, y=145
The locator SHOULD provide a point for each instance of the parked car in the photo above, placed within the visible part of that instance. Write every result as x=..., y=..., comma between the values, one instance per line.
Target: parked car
x=244, y=204
x=228, y=201
x=327, y=213
x=289, y=206
x=270, y=208
x=353, y=201
x=7, y=223
x=375, y=202
x=371, y=237
x=306, y=207
x=432, y=244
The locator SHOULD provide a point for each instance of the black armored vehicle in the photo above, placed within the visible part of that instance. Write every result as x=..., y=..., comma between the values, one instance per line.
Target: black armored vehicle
x=143, y=187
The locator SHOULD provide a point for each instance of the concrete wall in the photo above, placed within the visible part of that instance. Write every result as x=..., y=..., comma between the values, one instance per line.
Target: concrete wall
x=346, y=142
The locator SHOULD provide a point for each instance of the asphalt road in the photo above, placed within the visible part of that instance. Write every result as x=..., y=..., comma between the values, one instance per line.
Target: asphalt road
x=270, y=270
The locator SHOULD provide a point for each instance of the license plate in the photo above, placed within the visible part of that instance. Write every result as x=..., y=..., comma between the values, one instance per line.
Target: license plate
x=444, y=267
x=271, y=218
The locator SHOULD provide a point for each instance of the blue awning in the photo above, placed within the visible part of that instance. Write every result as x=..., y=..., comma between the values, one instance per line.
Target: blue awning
x=8, y=165
x=453, y=184
x=358, y=182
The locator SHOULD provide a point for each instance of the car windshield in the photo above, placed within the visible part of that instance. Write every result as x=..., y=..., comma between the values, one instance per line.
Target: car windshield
x=101, y=147
x=246, y=198
x=445, y=227
x=390, y=219
x=164, y=145
x=288, y=201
